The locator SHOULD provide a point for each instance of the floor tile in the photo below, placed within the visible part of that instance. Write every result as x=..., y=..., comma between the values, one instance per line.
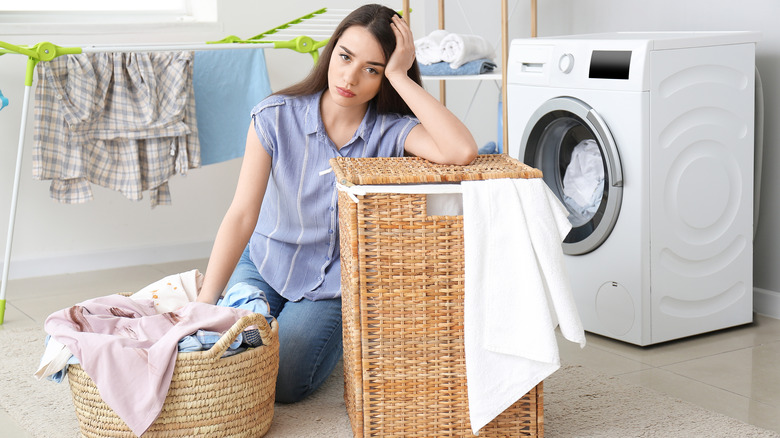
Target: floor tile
x=762, y=415
x=763, y=329
x=707, y=396
x=39, y=308
x=750, y=372
x=15, y=317
x=98, y=282
x=594, y=357
x=182, y=266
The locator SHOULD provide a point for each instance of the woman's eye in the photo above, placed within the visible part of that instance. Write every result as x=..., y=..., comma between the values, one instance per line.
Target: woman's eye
x=372, y=71
x=344, y=57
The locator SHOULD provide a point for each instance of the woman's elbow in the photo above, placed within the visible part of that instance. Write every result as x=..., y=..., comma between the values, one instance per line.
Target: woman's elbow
x=464, y=156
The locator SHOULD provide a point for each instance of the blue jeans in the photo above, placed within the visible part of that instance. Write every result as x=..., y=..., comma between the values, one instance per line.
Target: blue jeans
x=310, y=343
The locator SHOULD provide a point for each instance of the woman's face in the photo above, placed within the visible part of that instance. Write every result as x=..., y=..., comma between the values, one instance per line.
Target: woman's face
x=356, y=67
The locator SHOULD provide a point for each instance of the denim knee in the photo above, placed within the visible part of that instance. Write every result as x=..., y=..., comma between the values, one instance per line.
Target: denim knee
x=310, y=346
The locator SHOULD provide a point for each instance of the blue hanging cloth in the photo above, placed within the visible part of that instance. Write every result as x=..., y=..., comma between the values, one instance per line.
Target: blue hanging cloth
x=228, y=84
x=3, y=100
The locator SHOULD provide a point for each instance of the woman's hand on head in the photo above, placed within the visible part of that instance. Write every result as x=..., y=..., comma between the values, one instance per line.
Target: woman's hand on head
x=403, y=56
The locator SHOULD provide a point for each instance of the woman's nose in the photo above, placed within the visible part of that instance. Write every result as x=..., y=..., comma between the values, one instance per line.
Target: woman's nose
x=350, y=75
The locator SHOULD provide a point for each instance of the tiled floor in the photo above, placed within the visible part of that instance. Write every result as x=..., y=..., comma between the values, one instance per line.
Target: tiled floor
x=735, y=371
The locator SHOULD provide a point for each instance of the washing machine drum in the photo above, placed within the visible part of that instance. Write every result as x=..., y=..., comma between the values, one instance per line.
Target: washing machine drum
x=572, y=146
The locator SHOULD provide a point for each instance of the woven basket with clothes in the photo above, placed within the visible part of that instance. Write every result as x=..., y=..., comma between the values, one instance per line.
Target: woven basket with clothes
x=209, y=396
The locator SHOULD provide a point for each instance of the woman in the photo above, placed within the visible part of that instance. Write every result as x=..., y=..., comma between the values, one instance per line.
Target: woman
x=363, y=98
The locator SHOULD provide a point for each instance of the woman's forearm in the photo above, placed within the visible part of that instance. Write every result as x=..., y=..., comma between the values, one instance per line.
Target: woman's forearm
x=232, y=237
x=452, y=142
x=239, y=221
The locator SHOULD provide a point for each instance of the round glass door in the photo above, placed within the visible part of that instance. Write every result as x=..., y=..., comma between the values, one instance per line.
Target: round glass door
x=572, y=146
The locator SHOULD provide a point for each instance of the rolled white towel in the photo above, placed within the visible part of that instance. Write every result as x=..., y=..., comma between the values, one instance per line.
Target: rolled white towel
x=428, y=48
x=458, y=49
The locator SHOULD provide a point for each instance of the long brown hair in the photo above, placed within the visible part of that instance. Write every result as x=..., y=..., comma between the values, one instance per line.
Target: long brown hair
x=376, y=19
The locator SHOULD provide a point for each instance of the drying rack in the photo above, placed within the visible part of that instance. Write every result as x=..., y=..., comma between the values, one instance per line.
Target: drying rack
x=306, y=34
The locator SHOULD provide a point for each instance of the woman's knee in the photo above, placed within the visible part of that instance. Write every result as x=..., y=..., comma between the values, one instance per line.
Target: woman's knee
x=308, y=353
x=291, y=390
x=295, y=382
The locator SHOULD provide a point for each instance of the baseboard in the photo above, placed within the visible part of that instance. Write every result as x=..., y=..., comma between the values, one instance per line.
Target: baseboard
x=120, y=258
x=766, y=302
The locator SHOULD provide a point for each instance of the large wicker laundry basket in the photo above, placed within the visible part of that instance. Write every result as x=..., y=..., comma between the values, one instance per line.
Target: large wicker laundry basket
x=209, y=396
x=402, y=297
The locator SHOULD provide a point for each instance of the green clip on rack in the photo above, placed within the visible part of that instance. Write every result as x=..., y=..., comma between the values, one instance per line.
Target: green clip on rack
x=39, y=52
x=305, y=35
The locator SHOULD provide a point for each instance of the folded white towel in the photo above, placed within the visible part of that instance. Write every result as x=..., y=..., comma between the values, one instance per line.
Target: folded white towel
x=428, y=48
x=458, y=49
x=516, y=291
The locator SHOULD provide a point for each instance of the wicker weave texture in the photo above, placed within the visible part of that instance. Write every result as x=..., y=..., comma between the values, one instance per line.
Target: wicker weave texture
x=209, y=396
x=414, y=170
x=402, y=296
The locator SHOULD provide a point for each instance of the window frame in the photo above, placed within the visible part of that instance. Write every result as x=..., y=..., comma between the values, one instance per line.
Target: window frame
x=198, y=15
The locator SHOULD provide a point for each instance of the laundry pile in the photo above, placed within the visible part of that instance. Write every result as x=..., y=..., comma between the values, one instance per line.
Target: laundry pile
x=445, y=53
x=128, y=344
x=583, y=182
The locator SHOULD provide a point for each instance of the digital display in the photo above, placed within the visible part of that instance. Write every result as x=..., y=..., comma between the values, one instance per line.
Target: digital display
x=610, y=64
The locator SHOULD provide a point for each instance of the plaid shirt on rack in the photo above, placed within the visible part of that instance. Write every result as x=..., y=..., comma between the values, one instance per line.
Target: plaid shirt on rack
x=125, y=121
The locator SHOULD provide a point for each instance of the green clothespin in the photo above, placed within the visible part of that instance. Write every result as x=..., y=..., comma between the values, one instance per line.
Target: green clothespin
x=44, y=51
x=301, y=44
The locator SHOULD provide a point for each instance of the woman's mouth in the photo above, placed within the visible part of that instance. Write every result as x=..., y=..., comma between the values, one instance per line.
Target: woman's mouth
x=344, y=92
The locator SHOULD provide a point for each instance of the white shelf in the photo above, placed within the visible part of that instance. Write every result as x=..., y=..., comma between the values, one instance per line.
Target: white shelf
x=482, y=77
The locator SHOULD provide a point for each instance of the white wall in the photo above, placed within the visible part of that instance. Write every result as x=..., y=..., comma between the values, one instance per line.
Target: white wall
x=112, y=231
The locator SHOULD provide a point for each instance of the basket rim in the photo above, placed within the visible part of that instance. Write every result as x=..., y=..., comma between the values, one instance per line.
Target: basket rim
x=406, y=170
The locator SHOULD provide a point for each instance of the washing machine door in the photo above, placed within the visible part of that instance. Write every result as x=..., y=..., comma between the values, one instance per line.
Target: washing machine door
x=570, y=143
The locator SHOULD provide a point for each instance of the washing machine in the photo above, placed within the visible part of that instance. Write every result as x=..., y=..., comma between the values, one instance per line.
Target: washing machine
x=647, y=139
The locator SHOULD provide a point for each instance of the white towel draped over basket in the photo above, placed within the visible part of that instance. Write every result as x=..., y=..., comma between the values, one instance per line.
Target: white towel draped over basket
x=516, y=291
